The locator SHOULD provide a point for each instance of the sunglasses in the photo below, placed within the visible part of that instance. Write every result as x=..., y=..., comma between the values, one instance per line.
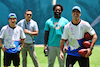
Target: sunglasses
x=29, y=14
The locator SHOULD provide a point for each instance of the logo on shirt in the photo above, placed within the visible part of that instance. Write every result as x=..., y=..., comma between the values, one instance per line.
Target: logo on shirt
x=72, y=31
x=57, y=25
x=9, y=30
x=71, y=28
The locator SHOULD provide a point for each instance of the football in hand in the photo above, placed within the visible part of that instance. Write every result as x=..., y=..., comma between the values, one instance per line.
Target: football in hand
x=87, y=36
x=86, y=44
x=82, y=52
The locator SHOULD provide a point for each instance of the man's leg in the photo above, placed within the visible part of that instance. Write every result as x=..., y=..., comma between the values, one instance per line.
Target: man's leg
x=16, y=59
x=51, y=56
x=33, y=55
x=61, y=62
x=83, y=62
x=70, y=60
x=7, y=59
x=24, y=55
x=65, y=55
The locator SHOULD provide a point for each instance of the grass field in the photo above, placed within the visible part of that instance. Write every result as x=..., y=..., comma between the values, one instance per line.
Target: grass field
x=94, y=58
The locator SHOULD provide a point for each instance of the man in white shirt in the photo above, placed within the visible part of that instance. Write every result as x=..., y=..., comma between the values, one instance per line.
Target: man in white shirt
x=11, y=34
x=74, y=32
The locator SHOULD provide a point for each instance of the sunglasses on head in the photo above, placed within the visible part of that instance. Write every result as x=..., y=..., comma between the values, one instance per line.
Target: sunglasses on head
x=29, y=14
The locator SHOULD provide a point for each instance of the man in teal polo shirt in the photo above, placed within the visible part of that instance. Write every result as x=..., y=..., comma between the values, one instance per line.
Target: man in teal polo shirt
x=53, y=32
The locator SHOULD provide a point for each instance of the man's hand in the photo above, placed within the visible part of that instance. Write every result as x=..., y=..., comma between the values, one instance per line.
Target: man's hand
x=4, y=49
x=89, y=52
x=61, y=56
x=21, y=48
x=45, y=47
x=65, y=49
x=27, y=31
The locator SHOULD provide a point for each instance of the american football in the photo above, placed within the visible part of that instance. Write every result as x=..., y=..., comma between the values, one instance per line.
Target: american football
x=86, y=44
x=87, y=36
x=82, y=52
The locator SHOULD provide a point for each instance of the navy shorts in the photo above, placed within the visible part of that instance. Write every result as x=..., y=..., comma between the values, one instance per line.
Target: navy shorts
x=13, y=56
x=71, y=60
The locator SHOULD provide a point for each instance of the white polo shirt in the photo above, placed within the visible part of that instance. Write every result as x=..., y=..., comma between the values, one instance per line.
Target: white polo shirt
x=12, y=36
x=75, y=35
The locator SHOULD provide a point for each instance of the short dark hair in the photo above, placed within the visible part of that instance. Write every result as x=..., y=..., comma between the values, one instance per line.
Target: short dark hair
x=27, y=10
x=58, y=5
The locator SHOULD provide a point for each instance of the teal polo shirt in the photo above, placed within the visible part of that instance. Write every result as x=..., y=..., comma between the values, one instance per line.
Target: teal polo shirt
x=55, y=28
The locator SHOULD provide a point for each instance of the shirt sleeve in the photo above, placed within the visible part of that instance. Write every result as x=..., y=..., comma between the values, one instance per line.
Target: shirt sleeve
x=2, y=33
x=67, y=21
x=65, y=33
x=89, y=29
x=22, y=34
x=35, y=27
x=46, y=28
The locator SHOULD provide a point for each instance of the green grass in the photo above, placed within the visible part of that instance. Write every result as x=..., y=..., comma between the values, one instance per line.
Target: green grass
x=94, y=58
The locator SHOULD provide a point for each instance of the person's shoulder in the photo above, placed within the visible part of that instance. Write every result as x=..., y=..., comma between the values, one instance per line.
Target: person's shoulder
x=51, y=18
x=64, y=18
x=5, y=27
x=84, y=22
x=18, y=27
x=68, y=24
x=32, y=21
x=21, y=21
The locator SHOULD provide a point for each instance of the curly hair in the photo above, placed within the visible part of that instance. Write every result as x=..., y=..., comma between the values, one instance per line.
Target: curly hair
x=58, y=5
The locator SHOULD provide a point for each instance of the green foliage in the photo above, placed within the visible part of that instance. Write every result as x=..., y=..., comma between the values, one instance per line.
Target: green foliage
x=43, y=61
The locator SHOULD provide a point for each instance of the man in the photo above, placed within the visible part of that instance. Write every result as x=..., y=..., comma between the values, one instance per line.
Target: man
x=53, y=32
x=11, y=34
x=31, y=29
x=74, y=32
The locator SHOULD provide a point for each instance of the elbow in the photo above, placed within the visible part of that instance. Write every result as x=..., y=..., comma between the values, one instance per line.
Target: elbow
x=95, y=36
x=35, y=33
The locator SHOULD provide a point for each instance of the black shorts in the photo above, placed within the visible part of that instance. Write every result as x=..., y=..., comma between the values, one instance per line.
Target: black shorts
x=71, y=60
x=13, y=56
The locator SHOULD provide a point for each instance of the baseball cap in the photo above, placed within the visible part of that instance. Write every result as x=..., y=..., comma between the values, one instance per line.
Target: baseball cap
x=12, y=15
x=76, y=7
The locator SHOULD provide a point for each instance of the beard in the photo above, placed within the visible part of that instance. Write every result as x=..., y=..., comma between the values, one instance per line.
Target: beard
x=57, y=15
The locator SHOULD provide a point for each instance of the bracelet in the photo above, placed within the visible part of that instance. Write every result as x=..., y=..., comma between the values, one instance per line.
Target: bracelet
x=91, y=48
